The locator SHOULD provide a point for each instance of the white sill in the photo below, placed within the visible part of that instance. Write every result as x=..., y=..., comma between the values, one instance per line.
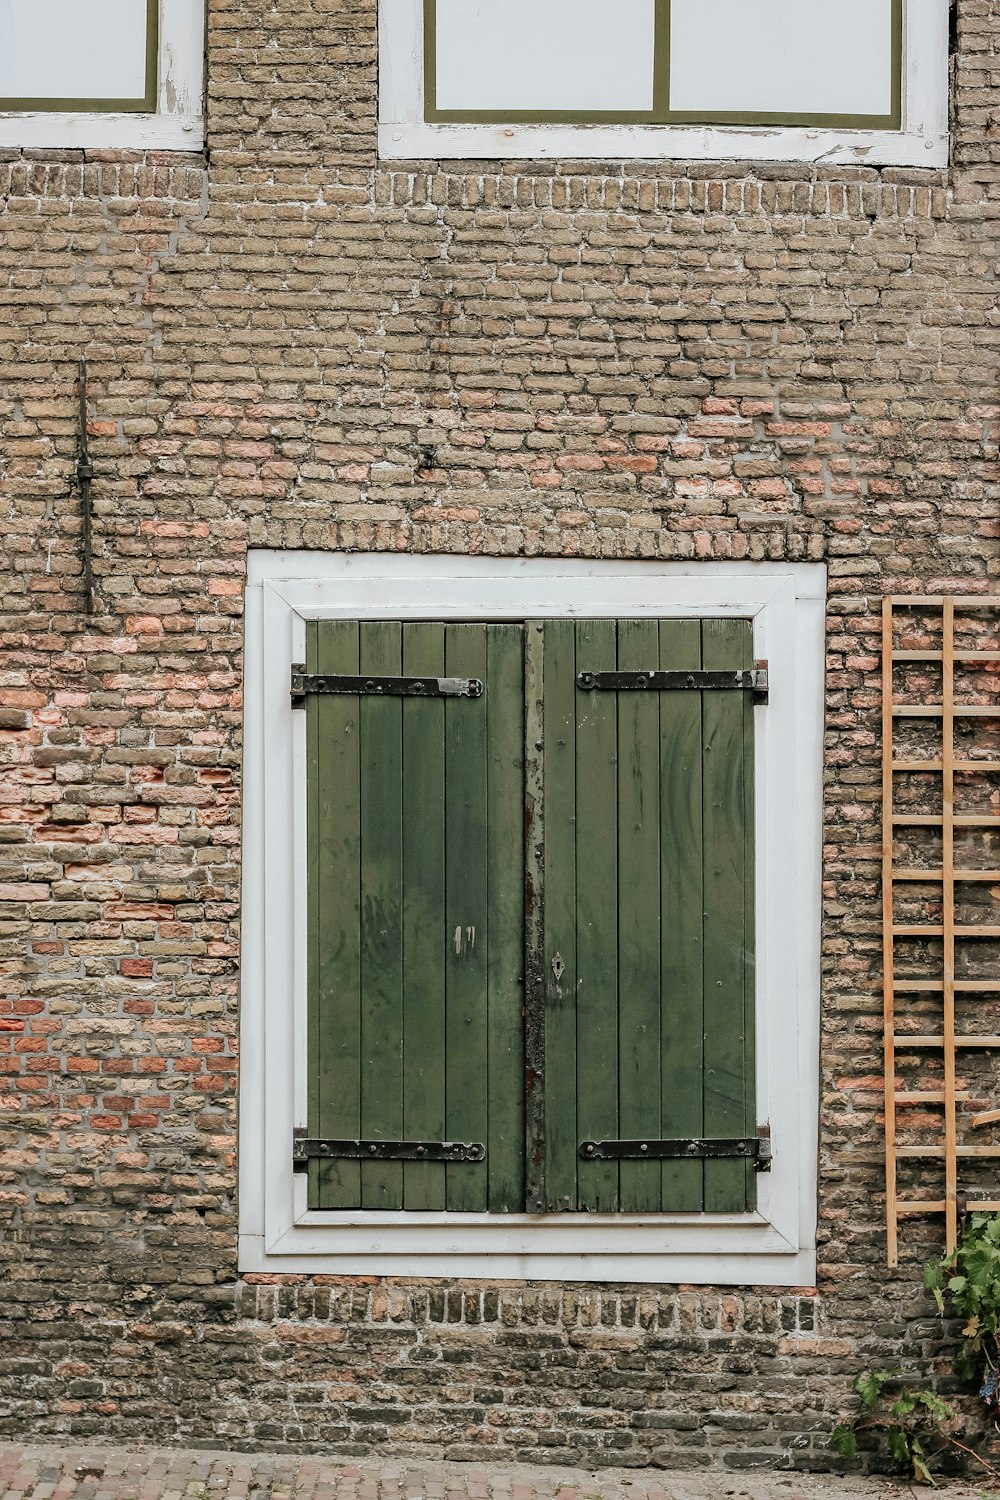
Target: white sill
x=95, y=132
x=862, y=148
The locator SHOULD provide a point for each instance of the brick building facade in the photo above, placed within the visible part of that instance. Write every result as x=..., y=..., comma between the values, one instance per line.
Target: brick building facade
x=292, y=344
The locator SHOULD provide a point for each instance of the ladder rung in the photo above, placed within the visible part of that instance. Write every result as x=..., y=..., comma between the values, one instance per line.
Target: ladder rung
x=928, y=876
x=937, y=601
x=904, y=1042
x=935, y=986
x=939, y=1151
x=936, y=930
x=939, y=655
x=937, y=1206
x=936, y=765
x=936, y=711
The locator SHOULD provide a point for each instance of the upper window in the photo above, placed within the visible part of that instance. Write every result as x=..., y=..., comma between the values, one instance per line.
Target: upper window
x=125, y=74
x=844, y=80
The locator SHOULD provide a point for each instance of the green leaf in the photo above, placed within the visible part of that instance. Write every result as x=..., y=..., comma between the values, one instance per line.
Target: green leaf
x=921, y=1471
x=899, y=1445
x=869, y=1385
x=845, y=1440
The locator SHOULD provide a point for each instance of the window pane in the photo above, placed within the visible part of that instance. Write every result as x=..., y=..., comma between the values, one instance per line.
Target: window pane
x=64, y=51
x=781, y=57
x=544, y=55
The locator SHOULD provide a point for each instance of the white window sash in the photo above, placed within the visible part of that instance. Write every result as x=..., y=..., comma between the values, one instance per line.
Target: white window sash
x=923, y=140
x=177, y=125
x=774, y=1246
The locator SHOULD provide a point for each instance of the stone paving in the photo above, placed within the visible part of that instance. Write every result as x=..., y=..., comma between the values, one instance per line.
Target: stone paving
x=99, y=1473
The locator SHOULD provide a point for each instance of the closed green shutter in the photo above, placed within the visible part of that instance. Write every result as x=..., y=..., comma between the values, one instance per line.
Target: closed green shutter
x=640, y=887
x=648, y=951
x=416, y=916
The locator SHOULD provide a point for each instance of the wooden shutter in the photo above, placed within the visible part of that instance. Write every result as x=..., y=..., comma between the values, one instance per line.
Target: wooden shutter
x=639, y=868
x=648, y=915
x=416, y=916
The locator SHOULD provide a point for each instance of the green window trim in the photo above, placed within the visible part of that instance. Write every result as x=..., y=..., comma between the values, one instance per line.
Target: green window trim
x=89, y=105
x=470, y=977
x=661, y=113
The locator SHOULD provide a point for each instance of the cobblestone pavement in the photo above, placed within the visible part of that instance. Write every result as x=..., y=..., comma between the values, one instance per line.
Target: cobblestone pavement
x=58, y=1473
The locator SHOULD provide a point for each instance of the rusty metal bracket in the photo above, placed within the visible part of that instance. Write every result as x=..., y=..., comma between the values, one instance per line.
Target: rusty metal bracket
x=84, y=475
x=755, y=1148
x=305, y=683
x=306, y=1149
x=749, y=680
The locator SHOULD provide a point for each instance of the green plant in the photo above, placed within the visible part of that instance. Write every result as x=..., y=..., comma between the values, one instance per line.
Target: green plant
x=914, y=1423
x=969, y=1280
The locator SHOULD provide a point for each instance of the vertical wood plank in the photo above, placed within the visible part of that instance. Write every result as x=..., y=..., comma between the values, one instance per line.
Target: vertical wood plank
x=467, y=1112
x=597, y=917
x=639, y=913
x=682, y=1004
x=559, y=883
x=726, y=644
x=334, y=839
x=505, y=915
x=535, y=1040
x=888, y=947
x=381, y=915
x=424, y=926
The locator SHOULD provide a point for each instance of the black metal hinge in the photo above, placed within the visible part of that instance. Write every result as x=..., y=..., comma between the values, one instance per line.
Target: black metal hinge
x=755, y=1148
x=306, y=1149
x=747, y=680
x=304, y=683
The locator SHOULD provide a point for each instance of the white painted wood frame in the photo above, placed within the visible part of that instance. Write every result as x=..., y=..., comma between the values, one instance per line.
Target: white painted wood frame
x=775, y=1246
x=178, y=123
x=922, y=140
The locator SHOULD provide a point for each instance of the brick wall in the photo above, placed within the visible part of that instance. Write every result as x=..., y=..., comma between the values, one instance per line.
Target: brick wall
x=292, y=345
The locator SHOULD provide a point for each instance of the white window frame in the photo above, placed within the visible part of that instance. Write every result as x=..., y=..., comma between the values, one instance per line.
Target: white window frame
x=775, y=1246
x=178, y=123
x=921, y=142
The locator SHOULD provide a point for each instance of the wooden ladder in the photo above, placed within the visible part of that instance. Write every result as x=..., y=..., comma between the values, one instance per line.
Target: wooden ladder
x=947, y=1042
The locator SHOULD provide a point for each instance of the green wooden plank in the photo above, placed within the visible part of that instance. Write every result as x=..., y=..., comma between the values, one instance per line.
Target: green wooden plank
x=505, y=915
x=467, y=1115
x=725, y=644
x=681, y=923
x=639, y=914
x=334, y=837
x=597, y=917
x=534, y=918
x=424, y=937
x=381, y=916
x=559, y=889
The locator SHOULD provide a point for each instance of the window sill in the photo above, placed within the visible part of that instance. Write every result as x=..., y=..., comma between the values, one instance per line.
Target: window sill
x=96, y=132
x=835, y=148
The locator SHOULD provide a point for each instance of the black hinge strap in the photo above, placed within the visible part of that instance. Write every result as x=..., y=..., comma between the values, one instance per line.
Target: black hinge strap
x=304, y=683
x=752, y=1148
x=306, y=1149
x=747, y=680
